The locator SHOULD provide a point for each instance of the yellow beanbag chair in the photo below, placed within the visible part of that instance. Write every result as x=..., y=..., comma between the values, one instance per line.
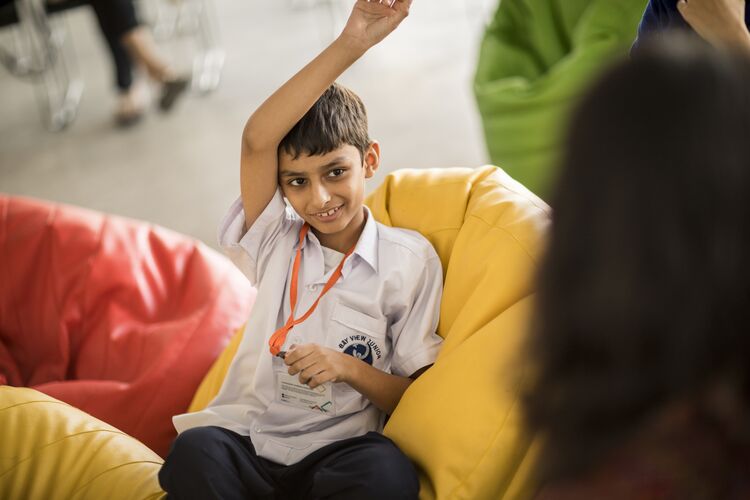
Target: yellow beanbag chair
x=459, y=422
x=52, y=451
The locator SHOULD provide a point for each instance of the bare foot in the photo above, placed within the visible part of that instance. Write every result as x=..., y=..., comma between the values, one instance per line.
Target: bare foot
x=131, y=105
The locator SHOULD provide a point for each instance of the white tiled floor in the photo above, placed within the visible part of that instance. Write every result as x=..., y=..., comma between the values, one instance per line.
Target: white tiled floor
x=181, y=170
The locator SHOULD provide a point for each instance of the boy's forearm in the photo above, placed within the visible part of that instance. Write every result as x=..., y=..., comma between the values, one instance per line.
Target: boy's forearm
x=284, y=108
x=384, y=390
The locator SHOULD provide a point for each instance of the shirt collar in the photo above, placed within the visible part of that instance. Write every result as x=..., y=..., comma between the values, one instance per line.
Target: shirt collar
x=367, y=246
x=365, y=249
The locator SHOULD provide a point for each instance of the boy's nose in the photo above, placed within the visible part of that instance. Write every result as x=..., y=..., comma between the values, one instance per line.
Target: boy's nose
x=321, y=196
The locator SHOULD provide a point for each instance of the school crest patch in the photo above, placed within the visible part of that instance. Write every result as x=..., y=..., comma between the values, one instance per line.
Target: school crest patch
x=361, y=347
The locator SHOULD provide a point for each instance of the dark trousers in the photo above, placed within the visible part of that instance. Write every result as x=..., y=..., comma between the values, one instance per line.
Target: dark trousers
x=211, y=463
x=116, y=18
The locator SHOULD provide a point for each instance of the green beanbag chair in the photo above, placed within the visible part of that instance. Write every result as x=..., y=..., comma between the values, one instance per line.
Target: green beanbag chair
x=535, y=59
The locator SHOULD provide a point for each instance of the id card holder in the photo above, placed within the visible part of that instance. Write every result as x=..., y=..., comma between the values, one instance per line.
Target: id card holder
x=290, y=391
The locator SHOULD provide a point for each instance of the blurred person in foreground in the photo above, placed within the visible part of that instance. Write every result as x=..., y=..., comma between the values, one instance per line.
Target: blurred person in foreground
x=640, y=379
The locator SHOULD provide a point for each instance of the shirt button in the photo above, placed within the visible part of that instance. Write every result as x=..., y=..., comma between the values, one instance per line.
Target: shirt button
x=258, y=430
x=312, y=288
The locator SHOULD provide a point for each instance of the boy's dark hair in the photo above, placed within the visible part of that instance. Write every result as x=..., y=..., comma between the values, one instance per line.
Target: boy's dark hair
x=644, y=293
x=337, y=118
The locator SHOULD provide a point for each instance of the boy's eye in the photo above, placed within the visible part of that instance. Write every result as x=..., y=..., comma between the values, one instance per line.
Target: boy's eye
x=336, y=172
x=297, y=182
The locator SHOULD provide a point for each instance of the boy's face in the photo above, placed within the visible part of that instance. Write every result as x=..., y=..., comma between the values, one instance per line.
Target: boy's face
x=328, y=190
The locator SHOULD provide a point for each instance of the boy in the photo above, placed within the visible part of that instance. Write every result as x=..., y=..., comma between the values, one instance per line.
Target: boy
x=346, y=313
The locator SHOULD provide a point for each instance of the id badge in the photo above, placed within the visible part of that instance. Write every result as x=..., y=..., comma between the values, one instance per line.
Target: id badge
x=290, y=391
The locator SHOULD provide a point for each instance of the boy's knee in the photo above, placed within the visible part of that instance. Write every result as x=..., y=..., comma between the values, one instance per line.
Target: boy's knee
x=376, y=470
x=190, y=451
x=196, y=441
x=393, y=476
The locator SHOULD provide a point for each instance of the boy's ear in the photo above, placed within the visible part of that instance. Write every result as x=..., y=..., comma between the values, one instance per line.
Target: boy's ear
x=372, y=159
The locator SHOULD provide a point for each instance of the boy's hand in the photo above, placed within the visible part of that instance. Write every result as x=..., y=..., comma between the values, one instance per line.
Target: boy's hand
x=317, y=365
x=719, y=22
x=371, y=21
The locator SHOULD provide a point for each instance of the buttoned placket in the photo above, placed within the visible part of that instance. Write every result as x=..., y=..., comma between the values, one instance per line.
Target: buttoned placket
x=315, y=276
x=313, y=267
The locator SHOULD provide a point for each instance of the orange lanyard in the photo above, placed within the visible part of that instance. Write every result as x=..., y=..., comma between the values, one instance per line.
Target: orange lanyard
x=279, y=337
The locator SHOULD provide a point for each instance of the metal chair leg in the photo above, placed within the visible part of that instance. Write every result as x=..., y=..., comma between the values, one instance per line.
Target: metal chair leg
x=197, y=20
x=42, y=56
x=209, y=61
x=63, y=89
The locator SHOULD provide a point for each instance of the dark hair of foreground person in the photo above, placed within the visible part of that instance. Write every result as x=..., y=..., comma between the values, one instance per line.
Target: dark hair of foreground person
x=640, y=345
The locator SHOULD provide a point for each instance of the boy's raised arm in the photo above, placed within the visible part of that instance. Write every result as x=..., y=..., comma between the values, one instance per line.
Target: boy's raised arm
x=369, y=23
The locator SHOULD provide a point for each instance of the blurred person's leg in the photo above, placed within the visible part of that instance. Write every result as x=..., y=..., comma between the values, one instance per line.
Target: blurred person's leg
x=141, y=44
x=132, y=99
x=130, y=41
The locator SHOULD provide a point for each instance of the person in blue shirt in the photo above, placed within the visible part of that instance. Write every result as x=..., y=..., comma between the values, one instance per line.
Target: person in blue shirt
x=720, y=22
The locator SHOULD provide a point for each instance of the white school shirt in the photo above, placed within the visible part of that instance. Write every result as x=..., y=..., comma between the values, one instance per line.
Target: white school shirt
x=384, y=309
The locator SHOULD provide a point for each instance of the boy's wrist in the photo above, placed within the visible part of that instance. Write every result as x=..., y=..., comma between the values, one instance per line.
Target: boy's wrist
x=352, y=368
x=357, y=47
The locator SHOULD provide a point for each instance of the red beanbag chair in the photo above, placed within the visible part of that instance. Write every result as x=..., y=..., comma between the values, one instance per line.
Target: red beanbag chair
x=119, y=318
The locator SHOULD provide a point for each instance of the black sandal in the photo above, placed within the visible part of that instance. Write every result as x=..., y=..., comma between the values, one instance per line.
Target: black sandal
x=171, y=91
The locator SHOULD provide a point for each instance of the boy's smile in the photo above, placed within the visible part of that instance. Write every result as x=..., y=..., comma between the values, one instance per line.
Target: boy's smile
x=328, y=190
x=329, y=215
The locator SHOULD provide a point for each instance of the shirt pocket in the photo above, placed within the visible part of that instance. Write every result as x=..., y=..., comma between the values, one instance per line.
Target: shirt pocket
x=358, y=321
x=359, y=334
